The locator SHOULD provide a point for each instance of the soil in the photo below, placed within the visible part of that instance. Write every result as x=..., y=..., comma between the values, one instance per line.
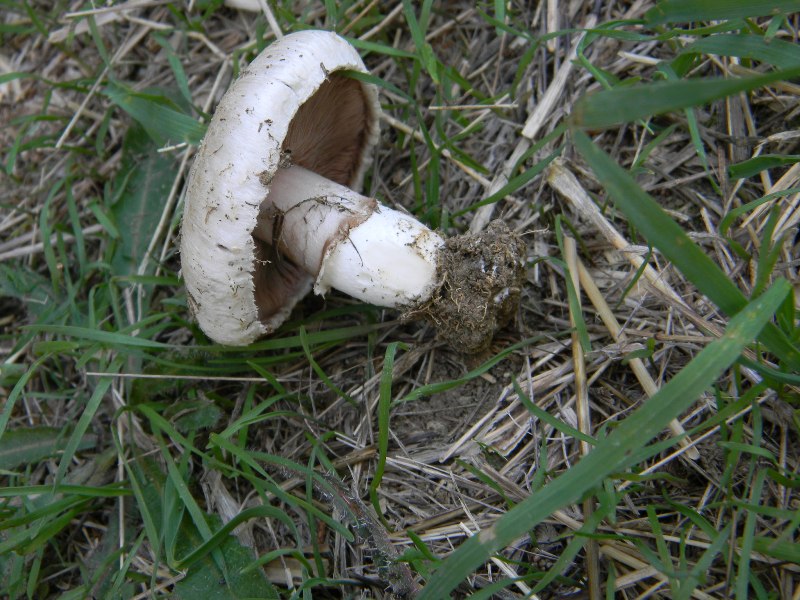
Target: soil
x=481, y=277
x=436, y=421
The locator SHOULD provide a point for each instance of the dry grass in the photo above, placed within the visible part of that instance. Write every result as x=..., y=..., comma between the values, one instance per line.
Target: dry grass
x=457, y=458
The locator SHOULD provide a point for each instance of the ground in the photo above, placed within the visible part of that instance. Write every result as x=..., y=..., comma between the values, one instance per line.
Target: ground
x=622, y=433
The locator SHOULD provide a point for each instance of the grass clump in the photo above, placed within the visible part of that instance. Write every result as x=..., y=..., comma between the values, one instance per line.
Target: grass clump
x=634, y=431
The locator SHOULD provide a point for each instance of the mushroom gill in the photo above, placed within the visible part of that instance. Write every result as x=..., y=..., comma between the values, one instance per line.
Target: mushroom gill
x=278, y=283
x=326, y=136
x=329, y=131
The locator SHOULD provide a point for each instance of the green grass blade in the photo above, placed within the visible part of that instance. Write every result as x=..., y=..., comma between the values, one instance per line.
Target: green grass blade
x=567, y=556
x=425, y=53
x=52, y=508
x=177, y=68
x=612, y=454
x=678, y=11
x=320, y=372
x=435, y=388
x=75, y=225
x=549, y=419
x=16, y=392
x=105, y=491
x=221, y=534
x=198, y=517
x=666, y=235
x=757, y=164
x=572, y=294
x=787, y=551
x=624, y=104
x=739, y=211
x=721, y=540
x=85, y=420
x=743, y=573
x=515, y=183
x=658, y=228
x=383, y=49
x=779, y=53
x=384, y=406
x=104, y=220
x=50, y=528
x=250, y=459
x=110, y=338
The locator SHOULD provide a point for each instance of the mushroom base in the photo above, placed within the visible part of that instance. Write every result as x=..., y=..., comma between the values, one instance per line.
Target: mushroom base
x=481, y=277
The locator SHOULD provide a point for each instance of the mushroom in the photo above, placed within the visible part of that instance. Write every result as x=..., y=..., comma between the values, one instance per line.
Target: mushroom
x=270, y=210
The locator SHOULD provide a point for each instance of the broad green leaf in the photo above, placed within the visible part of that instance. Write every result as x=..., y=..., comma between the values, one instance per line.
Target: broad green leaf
x=664, y=233
x=205, y=580
x=29, y=286
x=29, y=445
x=143, y=185
x=191, y=416
x=10, y=373
x=614, y=453
x=623, y=104
x=678, y=11
x=160, y=117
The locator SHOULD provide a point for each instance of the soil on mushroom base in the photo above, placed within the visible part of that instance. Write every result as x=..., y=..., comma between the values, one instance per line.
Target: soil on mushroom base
x=481, y=277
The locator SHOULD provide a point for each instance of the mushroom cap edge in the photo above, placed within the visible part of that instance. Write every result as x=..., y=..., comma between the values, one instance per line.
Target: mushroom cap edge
x=230, y=178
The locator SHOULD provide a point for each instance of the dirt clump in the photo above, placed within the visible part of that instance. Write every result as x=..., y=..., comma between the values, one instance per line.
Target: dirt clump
x=481, y=277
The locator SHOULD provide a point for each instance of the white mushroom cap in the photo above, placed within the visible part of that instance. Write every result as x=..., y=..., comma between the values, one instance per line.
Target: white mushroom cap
x=291, y=101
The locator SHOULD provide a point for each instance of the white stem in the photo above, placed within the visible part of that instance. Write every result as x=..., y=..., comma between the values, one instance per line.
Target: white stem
x=349, y=242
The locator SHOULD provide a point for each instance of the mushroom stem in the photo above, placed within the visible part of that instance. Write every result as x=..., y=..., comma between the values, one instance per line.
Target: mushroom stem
x=348, y=241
